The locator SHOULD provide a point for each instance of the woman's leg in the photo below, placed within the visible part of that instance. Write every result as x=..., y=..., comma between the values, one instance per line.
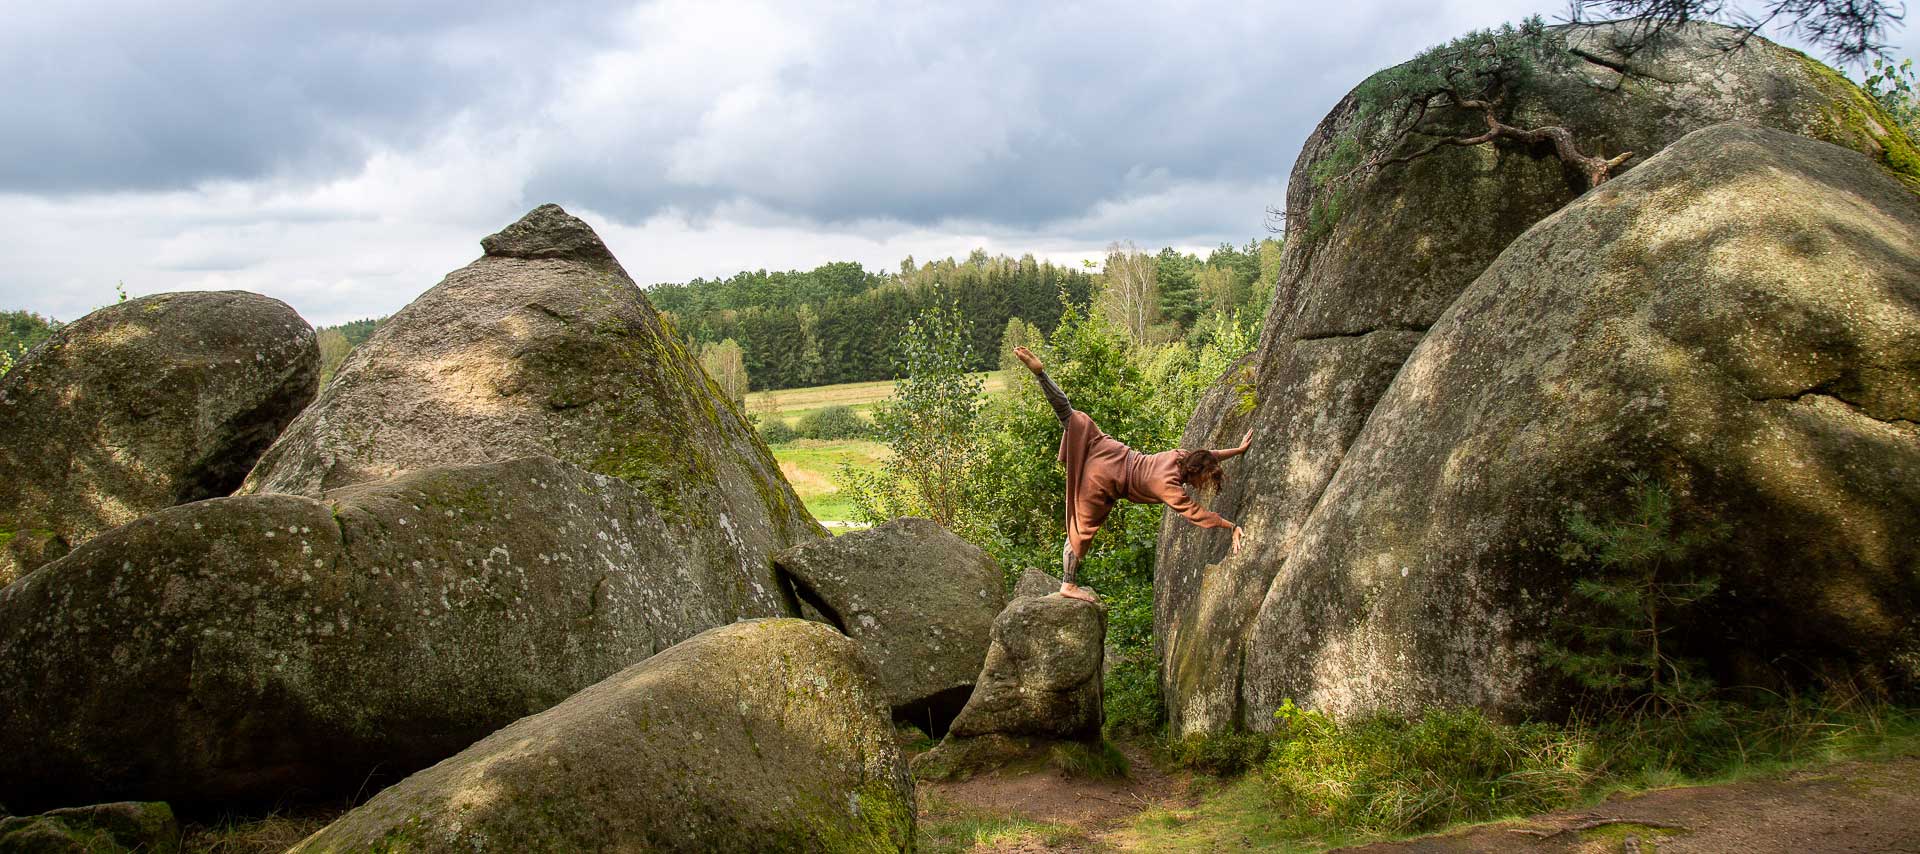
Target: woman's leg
x=1069, y=576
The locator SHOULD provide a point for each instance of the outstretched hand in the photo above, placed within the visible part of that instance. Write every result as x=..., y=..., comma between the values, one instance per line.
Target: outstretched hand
x=1247, y=440
x=1237, y=530
x=1027, y=358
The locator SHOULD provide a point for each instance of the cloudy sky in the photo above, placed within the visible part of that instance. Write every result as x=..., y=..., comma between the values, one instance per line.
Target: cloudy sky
x=344, y=155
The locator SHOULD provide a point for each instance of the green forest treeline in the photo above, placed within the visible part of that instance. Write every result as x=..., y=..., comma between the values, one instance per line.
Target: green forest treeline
x=841, y=323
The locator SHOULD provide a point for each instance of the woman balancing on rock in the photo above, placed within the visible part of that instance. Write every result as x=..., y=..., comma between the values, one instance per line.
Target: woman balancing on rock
x=1101, y=471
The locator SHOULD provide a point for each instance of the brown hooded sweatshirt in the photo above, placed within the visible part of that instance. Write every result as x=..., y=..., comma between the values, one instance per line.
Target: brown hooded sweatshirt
x=1101, y=470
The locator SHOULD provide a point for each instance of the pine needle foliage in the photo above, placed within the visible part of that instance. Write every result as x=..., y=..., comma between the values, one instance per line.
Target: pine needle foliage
x=1640, y=583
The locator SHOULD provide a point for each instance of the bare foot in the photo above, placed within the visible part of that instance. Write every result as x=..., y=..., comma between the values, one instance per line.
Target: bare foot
x=1084, y=594
x=1027, y=358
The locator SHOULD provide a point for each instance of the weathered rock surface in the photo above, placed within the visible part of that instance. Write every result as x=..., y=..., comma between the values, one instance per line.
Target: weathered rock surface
x=1359, y=289
x=275, y=647
x=918, y=600
x=153, y=402
x=768, y=735
x=1035, y=582
x=141, y=828
x=1041, y=683
x=1737, y=318
x=545, y=346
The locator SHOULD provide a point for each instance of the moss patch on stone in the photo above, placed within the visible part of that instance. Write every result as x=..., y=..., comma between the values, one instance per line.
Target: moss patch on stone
x=1855, y=120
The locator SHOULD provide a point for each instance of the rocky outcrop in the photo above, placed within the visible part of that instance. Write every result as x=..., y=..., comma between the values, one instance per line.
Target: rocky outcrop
x=146, y=404
x=918, y=600
x=1041, y=684
x=275, y=647
x=1734, y=319
x=137, y=828
x=1371, y=265
x=545, y=346
x=768, y=735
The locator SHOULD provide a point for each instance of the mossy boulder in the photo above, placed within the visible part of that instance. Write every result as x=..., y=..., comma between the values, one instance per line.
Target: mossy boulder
x=918, y=600
x=117, y=828
x=274, y=648
x=1734, y=319
x=1372, y=263
x=767, y=735
x=146, y=404
x=545, y=346
x=1041, y=684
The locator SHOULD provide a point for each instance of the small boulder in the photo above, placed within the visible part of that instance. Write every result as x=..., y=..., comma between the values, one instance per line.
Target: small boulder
x=150, y=403
x=1041, y=684
x=128, y=826
x=918, y=600
x=766, y=735
x=281, y=647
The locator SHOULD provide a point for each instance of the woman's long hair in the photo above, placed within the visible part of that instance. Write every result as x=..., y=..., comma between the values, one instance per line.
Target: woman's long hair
x=1201, y=470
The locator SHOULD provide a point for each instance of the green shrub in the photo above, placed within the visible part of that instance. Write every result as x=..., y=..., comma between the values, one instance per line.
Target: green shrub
x=774, y=431
x=833, y=422
x=1638, y=580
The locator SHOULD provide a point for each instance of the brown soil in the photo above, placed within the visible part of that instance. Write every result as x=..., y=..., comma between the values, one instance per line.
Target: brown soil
x=1855, y=807
x=1093, y=808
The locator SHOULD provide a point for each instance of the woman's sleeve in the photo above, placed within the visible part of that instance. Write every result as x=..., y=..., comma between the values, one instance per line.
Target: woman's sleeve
x=1183, y=504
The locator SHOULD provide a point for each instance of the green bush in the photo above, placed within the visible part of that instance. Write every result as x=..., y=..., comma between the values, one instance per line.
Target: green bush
x=833, y=422
x=774, y=431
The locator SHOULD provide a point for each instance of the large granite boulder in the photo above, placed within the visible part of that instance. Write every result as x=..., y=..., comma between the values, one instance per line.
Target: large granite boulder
x=768, y=735
x=1735, y=319
x=1371, y=264
x=1041, y=684
x=545, y=346
x=146, y=404
x=271, y=648
x=918, y=600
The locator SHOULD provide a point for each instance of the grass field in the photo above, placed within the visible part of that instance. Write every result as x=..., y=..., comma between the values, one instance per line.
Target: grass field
x=813, y=467
x=791, y=403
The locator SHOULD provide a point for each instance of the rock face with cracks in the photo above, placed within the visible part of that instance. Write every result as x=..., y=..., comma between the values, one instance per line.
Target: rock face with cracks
x=545, y=346
x=150, y=403
x=1736, y=318
x=767, y=735
x=918, y=600
x=1372, y=265
x=271, y=648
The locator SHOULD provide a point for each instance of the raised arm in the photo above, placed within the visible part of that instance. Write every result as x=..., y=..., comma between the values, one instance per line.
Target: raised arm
x=1229, y=453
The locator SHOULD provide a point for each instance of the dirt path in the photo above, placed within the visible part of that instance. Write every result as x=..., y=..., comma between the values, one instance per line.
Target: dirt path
x=1855, y=807
x=1083, y=812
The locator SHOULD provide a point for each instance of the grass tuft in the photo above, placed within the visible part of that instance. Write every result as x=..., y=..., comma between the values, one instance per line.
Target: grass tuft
x=1100, y=761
